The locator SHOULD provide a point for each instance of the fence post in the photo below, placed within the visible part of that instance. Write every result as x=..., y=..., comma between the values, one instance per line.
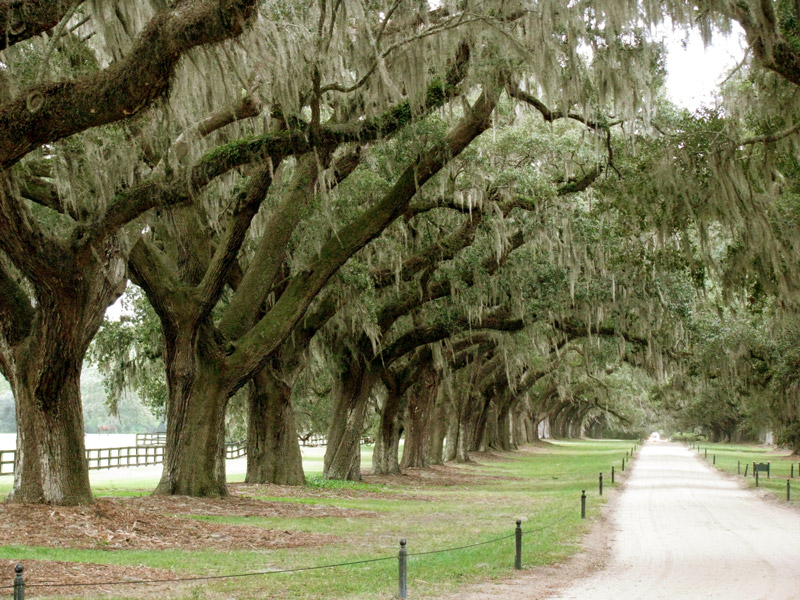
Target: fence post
x=601, y=484
x=792, y=470
x=583, y=504
x=19, y=583
x=623, y=463
x=402, y=559
x=738, y=467
x=706, y=453
x=612, y=473
x=747, y=466
x=788, y=490
x=714, y=461
x=518, y=540
x=755, y=472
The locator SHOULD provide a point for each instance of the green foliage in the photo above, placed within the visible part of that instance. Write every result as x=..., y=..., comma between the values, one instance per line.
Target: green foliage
x=128, y=354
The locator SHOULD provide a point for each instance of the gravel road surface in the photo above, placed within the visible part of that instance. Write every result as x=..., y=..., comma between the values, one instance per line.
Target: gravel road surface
x=683, y=531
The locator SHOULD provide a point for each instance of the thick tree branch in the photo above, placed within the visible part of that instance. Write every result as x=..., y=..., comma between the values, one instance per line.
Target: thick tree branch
x=16, y=311
x=210, y=288
x=264, y=338
x=439, y=251
x=247, y=303
x=35, y=253
x=23, y=19
x=53, y=111
x=149, y=270
x=41, y=192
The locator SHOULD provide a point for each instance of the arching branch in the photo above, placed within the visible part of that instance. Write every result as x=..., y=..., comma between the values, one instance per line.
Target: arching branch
x=53, y=111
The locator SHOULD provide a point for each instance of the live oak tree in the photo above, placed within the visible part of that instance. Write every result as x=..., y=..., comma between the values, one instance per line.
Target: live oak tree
x=69, y=201
x=103, y=120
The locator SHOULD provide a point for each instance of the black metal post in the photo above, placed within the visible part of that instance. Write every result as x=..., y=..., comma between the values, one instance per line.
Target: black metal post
x=706, y=453
x=518, y=540
x=19, y=583
x=755, y=472
x=601, y=484
x=747, y=466
x=623, y=464
x=788, y=490
x=738, y=467
x=792, y=470
x=612, y=473
x=714, y=461
x=402, y=560
x=583, y=504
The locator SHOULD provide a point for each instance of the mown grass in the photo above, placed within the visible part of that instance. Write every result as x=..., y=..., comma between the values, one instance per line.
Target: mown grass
x=733, y=458
x=540, y=485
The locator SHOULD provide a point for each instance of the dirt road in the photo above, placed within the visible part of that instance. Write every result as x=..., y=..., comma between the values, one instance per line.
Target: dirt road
x=679, y=531
x=684, y=531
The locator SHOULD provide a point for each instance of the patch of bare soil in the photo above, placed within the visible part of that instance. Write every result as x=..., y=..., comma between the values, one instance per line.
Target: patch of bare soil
x=91, y=578
x=158, y=522
x=146, y=523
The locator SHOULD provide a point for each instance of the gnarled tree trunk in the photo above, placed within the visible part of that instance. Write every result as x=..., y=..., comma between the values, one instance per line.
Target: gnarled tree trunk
x=418, y=419
x=43, y=365
x=437, y=428
x=387, y=442
x=194, y=457
x=273, y=450
x=343, y=454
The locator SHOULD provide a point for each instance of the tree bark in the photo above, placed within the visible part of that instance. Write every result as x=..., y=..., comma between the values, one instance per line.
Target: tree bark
x=436, y=432
x=343, y=454
x=194, y=461
x=273, y=449
x=418, y=419
x=387, y=442
x=44, y=368
x=504, y=439
x=51, y=459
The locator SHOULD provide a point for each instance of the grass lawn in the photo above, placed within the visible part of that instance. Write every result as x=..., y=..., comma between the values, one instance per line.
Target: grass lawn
x=460, y=506
x=733, y=458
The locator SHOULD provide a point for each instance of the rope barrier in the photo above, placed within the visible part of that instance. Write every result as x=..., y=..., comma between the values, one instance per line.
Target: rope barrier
x=276, y=572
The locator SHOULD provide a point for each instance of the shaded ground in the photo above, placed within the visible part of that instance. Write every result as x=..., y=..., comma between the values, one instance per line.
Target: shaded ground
x=170, y=523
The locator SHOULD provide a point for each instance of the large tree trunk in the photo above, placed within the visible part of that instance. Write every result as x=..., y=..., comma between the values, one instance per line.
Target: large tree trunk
x=194, y=457
x=418, y=420
x=477, y=419
x=436, y=432
x=273, y=450
x=387, y=442
x=504, y=439
x=44, y=369
x=51, y=459
x=453, y=430
x=491, y=435
x=343, y=454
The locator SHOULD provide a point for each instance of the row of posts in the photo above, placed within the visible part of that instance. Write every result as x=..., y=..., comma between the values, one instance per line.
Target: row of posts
x=738, y=472
x=402, y=557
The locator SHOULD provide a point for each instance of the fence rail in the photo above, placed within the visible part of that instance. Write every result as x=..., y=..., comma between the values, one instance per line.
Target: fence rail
x=235, y=449
x=149, y=450
x=131, y=456
x=151, y=439
x=7, y=458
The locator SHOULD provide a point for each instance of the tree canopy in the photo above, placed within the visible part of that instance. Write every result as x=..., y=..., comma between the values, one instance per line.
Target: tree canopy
x=448, y=222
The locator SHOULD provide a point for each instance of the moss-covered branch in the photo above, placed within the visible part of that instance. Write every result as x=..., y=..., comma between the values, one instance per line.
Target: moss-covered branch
x=23, y=19
x=16, y=311
x=265, y=337
x=53, y=111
